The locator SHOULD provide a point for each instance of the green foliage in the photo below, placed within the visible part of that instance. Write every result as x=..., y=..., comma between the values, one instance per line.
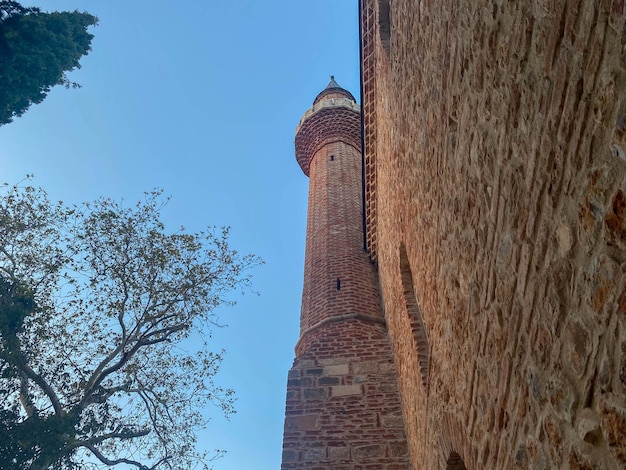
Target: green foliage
x=16, y=302
x=98, y=309
x=36, y=51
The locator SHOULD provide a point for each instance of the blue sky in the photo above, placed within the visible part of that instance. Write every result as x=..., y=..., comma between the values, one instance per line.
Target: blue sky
x=202, y=98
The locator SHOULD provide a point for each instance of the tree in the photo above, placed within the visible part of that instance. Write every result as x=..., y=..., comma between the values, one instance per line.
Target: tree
x=36, y=51
x=100, y=313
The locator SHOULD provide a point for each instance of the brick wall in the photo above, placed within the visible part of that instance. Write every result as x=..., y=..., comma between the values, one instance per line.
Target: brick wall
x=343, y=407
x=500, y=170
x=339, y=278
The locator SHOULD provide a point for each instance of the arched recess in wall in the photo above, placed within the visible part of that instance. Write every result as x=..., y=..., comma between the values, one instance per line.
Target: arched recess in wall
x=455, y=462
x=384, y=24
x=415, y=315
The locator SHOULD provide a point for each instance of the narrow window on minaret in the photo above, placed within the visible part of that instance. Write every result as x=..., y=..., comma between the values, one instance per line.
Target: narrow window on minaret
x=332, y=157
x=338, y=284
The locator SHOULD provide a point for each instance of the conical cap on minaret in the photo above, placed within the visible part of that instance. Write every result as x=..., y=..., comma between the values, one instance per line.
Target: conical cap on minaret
x=333, y=90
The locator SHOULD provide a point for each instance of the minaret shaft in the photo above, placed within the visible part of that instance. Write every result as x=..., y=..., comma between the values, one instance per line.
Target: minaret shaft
x=343, y=408
x=339, y=278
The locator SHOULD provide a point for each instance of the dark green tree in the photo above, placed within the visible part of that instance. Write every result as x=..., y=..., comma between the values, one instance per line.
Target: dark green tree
x=104, y=323
x=36, y=51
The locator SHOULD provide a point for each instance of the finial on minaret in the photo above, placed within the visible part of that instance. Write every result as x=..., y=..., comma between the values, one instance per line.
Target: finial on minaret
x=332, y=83
x=334, y=87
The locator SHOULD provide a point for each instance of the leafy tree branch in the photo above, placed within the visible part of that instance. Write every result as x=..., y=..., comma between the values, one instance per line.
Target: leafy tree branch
x=104, y=324
x=37, y=49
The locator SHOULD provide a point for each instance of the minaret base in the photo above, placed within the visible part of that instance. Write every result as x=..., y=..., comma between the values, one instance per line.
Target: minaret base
x=343, y=408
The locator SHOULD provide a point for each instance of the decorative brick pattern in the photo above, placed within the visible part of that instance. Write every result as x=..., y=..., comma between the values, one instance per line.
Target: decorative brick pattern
x=337, y=121
x=368, y=77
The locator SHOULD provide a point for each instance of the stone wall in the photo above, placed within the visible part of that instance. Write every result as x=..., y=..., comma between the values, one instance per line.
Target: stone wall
x=499, y=160
x=343, y=408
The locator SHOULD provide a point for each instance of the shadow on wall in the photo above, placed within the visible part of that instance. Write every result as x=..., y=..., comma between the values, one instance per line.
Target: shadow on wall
x=415, y=315
x=455, y=462
x=384, y=24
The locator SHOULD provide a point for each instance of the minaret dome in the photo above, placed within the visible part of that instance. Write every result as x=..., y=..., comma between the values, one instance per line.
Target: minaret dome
x=333, y=90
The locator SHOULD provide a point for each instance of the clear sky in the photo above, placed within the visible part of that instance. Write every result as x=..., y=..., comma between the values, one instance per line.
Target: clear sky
x=202, y=98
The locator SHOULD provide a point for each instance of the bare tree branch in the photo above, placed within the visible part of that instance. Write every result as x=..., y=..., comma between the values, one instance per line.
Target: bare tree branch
x=22, y=365
x=110, y=435
x=112, y=462
x=27, y=403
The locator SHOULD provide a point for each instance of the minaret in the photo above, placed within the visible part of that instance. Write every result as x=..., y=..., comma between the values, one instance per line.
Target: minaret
x=343, y=406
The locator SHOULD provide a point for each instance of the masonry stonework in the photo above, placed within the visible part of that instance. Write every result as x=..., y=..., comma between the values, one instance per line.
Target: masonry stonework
x=495, y=163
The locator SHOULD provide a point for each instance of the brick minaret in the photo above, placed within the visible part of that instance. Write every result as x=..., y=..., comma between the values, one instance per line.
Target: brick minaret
x=343, y=407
